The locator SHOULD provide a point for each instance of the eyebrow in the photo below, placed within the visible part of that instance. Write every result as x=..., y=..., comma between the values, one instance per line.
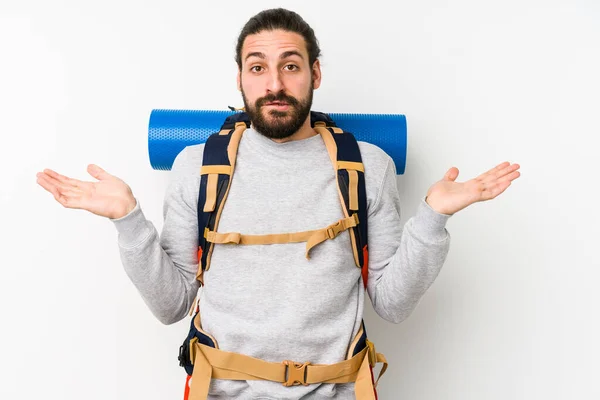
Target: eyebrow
x=290, y=53
x=283, y=55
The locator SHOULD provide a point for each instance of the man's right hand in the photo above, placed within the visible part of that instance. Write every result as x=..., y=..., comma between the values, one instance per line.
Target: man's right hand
x=109, y=197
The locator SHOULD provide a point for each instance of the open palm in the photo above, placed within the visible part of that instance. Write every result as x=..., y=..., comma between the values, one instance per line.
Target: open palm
x=110, y=197
x=448, y=197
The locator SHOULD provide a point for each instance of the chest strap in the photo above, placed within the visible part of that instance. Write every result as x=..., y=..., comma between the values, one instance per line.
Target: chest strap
x=217, y=171
x=312, y=238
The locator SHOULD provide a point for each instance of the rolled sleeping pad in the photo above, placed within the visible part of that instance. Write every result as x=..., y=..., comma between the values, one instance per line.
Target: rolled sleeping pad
x=170, y=131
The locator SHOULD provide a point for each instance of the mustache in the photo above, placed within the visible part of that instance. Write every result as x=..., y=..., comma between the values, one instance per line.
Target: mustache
x=281, y=97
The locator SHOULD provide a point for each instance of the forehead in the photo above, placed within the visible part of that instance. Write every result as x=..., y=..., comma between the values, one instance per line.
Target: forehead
x=273, y=43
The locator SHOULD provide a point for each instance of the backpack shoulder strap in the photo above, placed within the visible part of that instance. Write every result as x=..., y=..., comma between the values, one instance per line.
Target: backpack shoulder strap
x=346, y=159
x=218, y=164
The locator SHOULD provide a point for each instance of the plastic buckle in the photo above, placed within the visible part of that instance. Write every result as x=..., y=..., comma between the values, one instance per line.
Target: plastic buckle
x=333, y=230
x=295, y=373
x=330, y=233
x=183, y=351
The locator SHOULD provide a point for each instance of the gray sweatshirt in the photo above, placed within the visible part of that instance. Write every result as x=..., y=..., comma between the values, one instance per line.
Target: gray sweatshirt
x=269, y=301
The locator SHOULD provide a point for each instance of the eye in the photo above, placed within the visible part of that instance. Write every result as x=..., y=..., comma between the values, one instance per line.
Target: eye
x=256, y=68
x=293, y=67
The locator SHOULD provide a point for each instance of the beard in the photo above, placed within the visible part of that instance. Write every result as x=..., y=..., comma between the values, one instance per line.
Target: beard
x=279, y=124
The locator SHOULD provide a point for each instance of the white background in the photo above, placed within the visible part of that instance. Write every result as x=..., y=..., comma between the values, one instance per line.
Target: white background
x=513, y=314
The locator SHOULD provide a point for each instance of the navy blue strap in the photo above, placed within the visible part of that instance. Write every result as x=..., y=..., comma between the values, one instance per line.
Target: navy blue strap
x=215, y=153
x=348, y=150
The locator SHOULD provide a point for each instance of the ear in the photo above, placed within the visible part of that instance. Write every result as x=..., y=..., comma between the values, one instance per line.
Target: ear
x=239, y=83
x=316, y=74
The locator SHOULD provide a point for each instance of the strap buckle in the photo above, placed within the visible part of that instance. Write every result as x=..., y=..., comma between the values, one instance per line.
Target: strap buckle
x=295, y=373
x=334, y=230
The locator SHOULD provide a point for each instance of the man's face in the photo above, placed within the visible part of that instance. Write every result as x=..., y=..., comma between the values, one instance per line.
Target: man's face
x=277, y=82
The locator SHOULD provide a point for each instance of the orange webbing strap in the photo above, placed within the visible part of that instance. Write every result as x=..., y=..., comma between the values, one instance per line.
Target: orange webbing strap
x=214, y=170
x=375, y=358
x=211, y=363
x=312, y=238
x=329, y=141
x=211, y=193
x=352, y=168
x=331, y=232
x=353, y=190
x=381, y=359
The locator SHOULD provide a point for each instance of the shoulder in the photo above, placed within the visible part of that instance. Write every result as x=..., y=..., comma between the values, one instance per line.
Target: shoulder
x=188, y=161
x=189, y=157
x=379, y=171
x=375, y=160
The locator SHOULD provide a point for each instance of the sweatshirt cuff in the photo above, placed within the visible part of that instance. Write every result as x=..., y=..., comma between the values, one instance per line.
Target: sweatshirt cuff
x=430, y=223
x=133, y=228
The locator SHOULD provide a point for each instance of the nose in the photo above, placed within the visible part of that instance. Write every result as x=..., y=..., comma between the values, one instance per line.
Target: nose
x=275, y=83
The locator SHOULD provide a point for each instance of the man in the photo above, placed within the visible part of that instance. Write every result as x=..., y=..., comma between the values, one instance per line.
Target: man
x=269, y=301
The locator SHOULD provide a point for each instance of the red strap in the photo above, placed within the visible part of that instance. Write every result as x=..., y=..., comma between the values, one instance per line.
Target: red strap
x=372, y=380
x=186, y=394
x=365, y=267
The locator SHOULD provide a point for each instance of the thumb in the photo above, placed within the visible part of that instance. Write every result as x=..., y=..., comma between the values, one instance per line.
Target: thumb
x=98, y=172
x=452, y=174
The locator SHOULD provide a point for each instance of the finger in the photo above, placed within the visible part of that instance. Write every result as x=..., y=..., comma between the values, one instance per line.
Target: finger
x=67, y=198
x=491, y=191
x=61, y=184
x=452, y=174
x=98, y=172
x=46, y=184
x=65, y=179
x=493, y=170
x=510, y=177
x=500, y=173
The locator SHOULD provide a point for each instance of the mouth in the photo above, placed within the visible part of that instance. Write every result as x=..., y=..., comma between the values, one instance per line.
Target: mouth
x=278, y=104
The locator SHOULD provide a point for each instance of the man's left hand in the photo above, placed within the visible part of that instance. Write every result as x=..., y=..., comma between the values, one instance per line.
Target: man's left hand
x=448, y=197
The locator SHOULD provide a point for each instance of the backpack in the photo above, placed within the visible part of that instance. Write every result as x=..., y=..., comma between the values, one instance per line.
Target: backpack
x=217, y=170
x=218, y=165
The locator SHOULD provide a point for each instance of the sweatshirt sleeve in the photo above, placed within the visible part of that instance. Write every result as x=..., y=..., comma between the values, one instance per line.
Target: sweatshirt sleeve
x=403, y=261
x=163, y=268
